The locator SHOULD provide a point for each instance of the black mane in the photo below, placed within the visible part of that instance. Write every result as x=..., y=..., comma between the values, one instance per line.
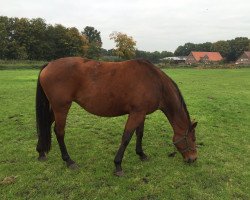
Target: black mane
x=183, y=104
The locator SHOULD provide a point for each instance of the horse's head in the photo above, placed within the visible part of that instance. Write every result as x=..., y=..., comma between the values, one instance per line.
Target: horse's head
x=185, y=143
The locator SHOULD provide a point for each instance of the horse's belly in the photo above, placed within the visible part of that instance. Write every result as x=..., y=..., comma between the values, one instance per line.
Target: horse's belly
x=105, y=107
x=106, y=113
x=112, y=106
x=115, y=97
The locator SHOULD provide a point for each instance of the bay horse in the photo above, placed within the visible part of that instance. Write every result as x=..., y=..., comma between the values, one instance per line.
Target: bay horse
x=110, y=89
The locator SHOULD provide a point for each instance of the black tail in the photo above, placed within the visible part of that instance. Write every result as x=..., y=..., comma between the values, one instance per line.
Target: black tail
x=43, y=119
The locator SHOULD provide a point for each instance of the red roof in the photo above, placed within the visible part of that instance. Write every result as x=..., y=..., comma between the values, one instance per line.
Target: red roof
x=213, y=56
x=247, y=53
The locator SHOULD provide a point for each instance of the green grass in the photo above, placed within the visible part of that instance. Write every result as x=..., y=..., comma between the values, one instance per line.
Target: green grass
x=218, y=99
x=20, y=64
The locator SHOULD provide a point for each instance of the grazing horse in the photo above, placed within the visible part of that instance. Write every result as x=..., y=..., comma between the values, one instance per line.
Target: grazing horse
x=109, y=89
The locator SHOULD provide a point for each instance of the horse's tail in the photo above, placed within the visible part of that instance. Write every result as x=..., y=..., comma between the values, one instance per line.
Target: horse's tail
x=43, y=118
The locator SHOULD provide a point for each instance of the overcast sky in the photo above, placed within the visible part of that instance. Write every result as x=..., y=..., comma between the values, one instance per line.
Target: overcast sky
x=154, y=24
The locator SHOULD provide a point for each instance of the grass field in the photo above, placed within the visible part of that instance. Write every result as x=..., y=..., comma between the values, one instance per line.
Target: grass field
x=218, y=99
x=20, y=64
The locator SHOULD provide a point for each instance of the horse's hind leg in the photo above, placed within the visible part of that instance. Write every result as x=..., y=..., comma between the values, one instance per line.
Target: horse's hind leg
x=60, y=122
x=134, y=120
x=139, y=136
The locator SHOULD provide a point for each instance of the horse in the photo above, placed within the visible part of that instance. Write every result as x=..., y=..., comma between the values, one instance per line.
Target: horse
x=108, y=89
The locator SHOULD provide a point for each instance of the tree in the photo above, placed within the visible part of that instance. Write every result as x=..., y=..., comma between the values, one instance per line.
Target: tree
x=165, y=54
x=185, y=50
x=38, y=40
x=22, y=38
x=18, y=38
x=94, y=42
x=203, y=47
x=238, y=46
x=62, y=42
x=154, y=57
x=223, y=47
x=59, y=41
x=75, y=42
x=125, y=45
x=3, y=36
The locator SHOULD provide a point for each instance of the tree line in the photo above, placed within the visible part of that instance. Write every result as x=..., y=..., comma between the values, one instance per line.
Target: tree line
x=229, y=49
x=33, y=39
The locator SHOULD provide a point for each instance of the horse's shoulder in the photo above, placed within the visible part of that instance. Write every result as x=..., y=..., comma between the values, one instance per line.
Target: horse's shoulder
x=148, y=66
x=143, y=61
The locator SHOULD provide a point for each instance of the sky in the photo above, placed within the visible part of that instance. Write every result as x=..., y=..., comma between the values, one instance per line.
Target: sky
x=156, y=25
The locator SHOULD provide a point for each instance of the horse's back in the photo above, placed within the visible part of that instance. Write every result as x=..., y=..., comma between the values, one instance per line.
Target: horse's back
x=103, y=88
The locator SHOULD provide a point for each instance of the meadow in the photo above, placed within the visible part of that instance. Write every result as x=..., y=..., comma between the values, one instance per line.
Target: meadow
x=218, y=99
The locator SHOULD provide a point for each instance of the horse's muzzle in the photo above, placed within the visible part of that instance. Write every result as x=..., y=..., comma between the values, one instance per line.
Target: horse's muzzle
x=190, y=160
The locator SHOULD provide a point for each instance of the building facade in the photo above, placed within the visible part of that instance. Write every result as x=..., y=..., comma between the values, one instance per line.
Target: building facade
x=203, y=57
x=244, y=59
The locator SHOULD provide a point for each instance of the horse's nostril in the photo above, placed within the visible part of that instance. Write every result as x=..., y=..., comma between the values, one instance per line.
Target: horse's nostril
x=190, y=160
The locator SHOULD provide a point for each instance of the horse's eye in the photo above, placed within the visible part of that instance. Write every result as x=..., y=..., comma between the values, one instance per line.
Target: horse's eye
x=193, y=138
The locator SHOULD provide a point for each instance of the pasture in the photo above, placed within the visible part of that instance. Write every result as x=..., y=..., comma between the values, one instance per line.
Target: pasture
x=218, y=99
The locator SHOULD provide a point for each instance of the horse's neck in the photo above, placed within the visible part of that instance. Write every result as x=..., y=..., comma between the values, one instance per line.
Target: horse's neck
x=173, y=105
x=177, y=119
x=175, y=112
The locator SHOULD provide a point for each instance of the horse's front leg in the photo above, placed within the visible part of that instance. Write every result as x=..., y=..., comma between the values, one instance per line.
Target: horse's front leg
x=134, y=120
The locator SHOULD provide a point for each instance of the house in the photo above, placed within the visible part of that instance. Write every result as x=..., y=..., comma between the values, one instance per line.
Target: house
x=204, y=57
x=175, y=59
x=244, y=58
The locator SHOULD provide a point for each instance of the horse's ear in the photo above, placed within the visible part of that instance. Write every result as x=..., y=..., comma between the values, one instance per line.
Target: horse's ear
x=194, y=124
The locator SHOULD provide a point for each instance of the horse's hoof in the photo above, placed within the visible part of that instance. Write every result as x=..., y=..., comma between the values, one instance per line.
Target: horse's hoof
x=144, y=158
x=73, y=166
x=42, y=158
x=119, y=173
x=172, y=154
